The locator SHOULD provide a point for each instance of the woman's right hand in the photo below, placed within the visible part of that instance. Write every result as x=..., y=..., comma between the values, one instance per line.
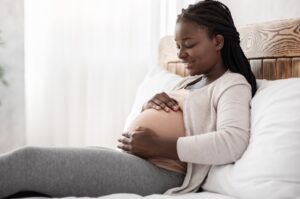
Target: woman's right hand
x=161, y=101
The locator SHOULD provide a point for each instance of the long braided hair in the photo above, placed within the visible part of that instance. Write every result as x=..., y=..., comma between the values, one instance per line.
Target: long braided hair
x=216, y=17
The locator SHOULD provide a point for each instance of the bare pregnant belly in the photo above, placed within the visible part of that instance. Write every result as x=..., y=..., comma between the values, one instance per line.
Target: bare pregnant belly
x=168, y=124
x=165, y=124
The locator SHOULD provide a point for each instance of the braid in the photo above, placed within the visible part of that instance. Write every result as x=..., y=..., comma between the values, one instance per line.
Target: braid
x=217, y=18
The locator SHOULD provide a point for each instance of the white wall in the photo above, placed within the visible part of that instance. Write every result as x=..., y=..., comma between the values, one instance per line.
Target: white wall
x=253, y=11
x=12, y=60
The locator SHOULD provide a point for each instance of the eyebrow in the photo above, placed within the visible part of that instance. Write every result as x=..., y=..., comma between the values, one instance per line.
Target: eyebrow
x=185, y=38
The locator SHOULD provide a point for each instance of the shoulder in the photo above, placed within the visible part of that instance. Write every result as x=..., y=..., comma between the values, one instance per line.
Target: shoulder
x=232, y=79
x=232, y=86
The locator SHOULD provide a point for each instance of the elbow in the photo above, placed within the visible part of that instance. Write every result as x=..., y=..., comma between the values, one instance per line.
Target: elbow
x=240, y=146
x=238, y=155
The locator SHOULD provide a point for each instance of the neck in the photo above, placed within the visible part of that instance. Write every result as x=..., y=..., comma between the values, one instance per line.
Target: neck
x=218, y=70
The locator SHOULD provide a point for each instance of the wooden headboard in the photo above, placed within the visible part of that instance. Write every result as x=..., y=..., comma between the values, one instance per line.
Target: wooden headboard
x=273, y=49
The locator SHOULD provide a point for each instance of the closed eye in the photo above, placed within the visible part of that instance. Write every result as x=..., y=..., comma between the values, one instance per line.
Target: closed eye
x=186, y=46
x=190, y=46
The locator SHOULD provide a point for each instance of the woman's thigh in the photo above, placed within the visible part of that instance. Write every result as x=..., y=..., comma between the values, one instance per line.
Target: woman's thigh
x=90, y=171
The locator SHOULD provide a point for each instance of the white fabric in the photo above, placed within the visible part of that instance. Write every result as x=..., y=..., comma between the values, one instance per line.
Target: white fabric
x=270, y=166
x=84, y=60
x=201, y=195
x=157, y=80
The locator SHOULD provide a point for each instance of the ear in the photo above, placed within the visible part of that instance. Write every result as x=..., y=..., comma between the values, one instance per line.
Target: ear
x=219, y=42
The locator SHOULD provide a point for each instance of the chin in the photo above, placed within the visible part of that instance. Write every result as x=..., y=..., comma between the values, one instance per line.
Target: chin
x=193, y=73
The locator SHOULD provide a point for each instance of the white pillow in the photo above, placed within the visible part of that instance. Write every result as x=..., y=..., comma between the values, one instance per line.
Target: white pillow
x=270, y=167
x=157, y=80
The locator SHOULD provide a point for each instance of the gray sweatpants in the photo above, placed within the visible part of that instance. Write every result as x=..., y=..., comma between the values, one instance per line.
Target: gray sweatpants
x=80, y=171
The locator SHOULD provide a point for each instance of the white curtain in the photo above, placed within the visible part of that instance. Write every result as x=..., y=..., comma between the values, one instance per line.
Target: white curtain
x=84, y=60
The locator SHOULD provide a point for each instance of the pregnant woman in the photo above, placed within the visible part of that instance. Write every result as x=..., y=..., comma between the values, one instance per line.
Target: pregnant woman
x=171, y=145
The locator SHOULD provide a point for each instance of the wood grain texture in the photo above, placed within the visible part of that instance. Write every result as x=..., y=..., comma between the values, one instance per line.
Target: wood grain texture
x=269, y=71
x=256, y=66
x=283, y=68
x=296, y=67
x=272, y=48
x=271, y=39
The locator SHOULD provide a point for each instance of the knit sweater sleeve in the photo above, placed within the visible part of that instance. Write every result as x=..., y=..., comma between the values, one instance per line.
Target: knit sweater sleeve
x=230, y=140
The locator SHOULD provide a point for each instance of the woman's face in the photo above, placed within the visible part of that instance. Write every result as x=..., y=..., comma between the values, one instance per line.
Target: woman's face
x=200, y=53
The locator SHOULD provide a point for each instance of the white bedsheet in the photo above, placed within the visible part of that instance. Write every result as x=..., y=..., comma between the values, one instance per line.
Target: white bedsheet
x=201, y=195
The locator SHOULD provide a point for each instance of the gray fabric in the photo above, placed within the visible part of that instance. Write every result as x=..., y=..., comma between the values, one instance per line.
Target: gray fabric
x=196, y=85
x=81, y=171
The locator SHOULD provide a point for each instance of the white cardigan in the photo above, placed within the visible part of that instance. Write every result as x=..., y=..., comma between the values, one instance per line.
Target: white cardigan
x=217, y=124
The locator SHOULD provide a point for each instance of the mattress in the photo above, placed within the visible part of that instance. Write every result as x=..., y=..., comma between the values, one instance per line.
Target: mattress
x=201, y=195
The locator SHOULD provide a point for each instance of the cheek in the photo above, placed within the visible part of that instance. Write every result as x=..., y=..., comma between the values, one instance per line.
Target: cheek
x=205, y=55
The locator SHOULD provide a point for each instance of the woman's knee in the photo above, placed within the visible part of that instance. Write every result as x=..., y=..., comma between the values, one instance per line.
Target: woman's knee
x=28, y=153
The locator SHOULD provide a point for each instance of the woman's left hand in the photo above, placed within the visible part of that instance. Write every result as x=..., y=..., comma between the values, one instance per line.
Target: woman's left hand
x=143, y=142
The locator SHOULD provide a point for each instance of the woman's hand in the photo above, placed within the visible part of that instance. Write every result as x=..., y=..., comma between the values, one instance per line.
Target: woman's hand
x=141, y=142
x=161, y=101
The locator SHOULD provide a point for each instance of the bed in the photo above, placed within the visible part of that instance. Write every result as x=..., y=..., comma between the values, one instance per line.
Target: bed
x=273, y=49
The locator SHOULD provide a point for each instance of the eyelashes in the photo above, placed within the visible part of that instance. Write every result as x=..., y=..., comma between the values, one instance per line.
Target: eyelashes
x=186, y=46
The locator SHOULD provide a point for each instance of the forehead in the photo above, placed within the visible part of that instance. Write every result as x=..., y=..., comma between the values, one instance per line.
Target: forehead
x=187, y=29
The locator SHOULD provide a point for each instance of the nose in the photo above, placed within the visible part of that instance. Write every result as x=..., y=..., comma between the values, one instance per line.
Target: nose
x=181, y=54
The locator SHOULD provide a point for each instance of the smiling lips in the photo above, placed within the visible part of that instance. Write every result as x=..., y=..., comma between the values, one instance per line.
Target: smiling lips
x=188, y=64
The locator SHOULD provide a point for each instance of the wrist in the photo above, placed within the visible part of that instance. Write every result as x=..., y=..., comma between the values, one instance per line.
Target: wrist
x=166, y=147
